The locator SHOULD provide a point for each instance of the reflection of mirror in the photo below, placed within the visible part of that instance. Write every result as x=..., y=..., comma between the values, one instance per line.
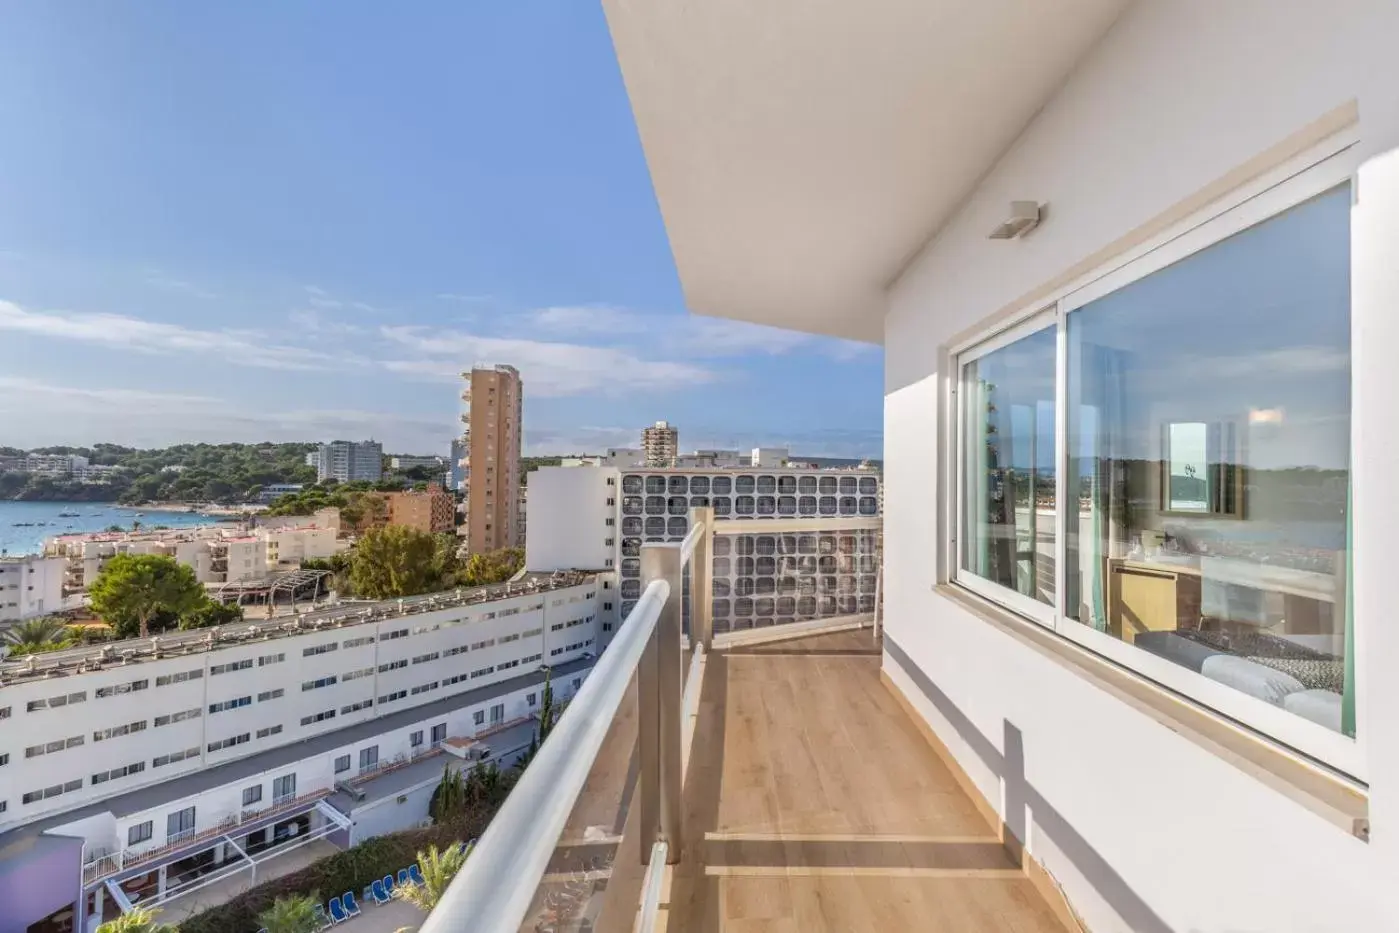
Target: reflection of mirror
x=1201, y=472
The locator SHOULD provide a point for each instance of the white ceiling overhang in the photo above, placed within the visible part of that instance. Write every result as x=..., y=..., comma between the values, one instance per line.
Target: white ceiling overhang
x=802, y=151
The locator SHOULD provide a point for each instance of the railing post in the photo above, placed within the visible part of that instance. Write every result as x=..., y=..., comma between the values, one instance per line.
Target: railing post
x=662, y=562
x=702, y=579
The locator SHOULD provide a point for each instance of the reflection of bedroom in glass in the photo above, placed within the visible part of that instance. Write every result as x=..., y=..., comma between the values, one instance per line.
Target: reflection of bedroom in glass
x=1201, y=474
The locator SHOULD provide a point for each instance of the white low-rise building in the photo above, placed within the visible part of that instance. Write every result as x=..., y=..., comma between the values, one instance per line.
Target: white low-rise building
x=217, y=553
x=30, y=586
x=153, y=752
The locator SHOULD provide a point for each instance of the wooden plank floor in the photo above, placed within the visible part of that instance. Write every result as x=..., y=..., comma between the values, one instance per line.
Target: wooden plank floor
x=813, y=803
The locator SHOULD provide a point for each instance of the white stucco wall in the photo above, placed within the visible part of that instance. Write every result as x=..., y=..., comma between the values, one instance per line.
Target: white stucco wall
x=1145, y=829
x=568, y=513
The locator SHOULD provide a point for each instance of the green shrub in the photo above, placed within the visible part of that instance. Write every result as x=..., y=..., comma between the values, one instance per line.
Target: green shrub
x=332, y=876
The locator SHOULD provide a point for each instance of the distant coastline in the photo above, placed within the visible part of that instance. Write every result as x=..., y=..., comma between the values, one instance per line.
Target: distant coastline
x=25, y=525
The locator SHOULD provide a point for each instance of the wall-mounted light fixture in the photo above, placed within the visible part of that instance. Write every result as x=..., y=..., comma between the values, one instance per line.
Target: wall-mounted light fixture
x=1024, y=217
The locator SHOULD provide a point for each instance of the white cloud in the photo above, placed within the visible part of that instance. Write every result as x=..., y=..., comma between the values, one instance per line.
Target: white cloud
x=548, y=369
x=237, y=347
x=686, y=334
x=467, y=299
x=156, y=419
x=169, y=284
x=69, y=397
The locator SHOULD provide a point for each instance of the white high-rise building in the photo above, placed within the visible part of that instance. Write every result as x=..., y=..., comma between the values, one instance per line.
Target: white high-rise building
x=350, y=461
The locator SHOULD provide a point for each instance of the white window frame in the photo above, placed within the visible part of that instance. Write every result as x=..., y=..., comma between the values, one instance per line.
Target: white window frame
x=1038, y=321
x=1319, y=169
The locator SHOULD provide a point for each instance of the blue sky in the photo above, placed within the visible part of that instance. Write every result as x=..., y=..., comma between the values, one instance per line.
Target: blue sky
x=297, y=221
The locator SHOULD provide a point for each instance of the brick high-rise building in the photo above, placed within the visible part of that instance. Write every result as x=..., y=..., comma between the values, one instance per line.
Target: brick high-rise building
x=433, y=511
x=491, y=467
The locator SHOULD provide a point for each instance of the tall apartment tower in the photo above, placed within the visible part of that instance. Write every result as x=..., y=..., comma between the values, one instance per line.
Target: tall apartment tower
x=350, y=461
x=661, y=442
x=491, y=467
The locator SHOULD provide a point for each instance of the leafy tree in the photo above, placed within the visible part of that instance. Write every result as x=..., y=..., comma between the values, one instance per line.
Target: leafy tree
x=140, y=920
x=211, y=613
x=293, y=914
x=489, y=567
x=438, y=869
x=395, y=560
x=133, y=588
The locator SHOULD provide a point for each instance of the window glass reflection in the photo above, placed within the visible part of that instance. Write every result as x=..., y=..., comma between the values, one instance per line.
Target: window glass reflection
x=1008, y=489
x=1209, y=438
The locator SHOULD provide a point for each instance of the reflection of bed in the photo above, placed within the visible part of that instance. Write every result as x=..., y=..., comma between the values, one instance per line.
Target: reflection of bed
x=1273, y=669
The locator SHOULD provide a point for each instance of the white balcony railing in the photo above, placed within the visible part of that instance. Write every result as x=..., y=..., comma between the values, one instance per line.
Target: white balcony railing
x=555, y=856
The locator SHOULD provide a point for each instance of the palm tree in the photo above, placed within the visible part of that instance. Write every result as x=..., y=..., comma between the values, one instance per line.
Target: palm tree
x=294, y=914
x=36, y=634
x=438, y=868
x=136, y=920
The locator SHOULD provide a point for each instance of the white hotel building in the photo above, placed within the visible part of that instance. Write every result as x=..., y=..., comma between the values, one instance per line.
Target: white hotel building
x=597, y=518
x=123, y=767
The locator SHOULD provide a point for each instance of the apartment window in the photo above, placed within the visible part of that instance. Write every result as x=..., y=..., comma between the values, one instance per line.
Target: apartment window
x=532, y=699
x=56, y=790
x=284, y=787
x=269, y=731
x=368, y=757
x=112, y=774
x=424, y=658
x=391, y=697
x=319, y=649
x=118, y=731
x=358, y=642
x=4, y=759
x=392, y=666
x=215, y=669
x=356, y=707
x=319, y=682
x=266, y=695
x=141, y=832
x=439, y=732
x=221, y=744
x=607, y=607
x=114, y=690
x=177, y=717
x=166, y=680
x=252, y=795
x=396, y=633
x=497, y=713
x=1202, y=394
x=267, y=659
x=479, y=717
x=180, y=824
x=356, y=675
x=318, y=717
x=416, y=738
x=4, y=712
x=224, y=706
x=161, y=761
x=342, y=764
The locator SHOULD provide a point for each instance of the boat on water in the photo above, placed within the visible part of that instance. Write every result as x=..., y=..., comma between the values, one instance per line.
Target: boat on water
x=69, y=515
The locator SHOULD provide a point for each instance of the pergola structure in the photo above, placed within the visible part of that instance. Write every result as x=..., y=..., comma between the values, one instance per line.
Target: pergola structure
x=291, y=582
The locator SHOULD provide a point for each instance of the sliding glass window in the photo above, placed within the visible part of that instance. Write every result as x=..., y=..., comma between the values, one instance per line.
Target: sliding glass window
x=1209, y=442
x=1008, y=484
x=1203, y=405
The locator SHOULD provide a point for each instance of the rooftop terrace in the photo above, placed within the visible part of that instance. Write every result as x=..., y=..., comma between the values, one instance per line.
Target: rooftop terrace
x=178, y=644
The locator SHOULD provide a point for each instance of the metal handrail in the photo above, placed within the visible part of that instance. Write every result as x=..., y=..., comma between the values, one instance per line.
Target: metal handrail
x=497, y=885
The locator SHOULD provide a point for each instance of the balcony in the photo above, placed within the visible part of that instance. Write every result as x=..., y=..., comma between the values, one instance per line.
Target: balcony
x=755, y=772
